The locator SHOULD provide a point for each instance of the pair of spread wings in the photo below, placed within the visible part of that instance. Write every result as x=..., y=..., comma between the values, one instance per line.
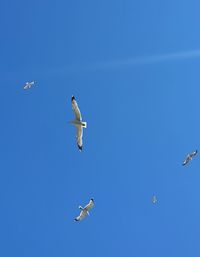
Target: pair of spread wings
x=85, y=210
x=189, y=157
x=77, y=113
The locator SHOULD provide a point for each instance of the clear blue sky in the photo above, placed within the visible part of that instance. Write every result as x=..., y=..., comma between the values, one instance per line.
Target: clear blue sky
x=142, y=120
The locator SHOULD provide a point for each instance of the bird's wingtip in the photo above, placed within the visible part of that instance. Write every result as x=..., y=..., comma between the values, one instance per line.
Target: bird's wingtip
x=92, y=199
x=80, y=147
x=73, y=98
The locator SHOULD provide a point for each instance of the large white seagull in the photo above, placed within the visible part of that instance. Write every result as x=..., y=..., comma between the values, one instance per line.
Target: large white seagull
x=85, y=210
x=78, y=123
x=189, y=157
x=29, y=85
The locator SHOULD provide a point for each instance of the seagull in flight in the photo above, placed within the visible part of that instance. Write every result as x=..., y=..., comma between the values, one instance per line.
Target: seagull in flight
x=189, y=157
x=29, y=85
x=78, y=123
x=154, y=199
x=85, y=210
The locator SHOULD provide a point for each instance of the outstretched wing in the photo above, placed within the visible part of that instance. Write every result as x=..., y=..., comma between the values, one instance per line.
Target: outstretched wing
x=79, y=137
x=193, y=153
x=184, y=162
x=26, y=86
x=82, y=215
x=89, y=205
x=187, y=159
x=76, y=109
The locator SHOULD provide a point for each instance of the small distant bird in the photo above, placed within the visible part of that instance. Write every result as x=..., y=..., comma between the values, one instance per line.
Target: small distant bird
x=189, y=157
x=154, y=199
x=78, y=123
x=85, y=210
x=29, y=85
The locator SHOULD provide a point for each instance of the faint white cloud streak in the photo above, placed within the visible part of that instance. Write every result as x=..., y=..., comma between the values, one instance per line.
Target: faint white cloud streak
x=151, y=59
x=110, y=65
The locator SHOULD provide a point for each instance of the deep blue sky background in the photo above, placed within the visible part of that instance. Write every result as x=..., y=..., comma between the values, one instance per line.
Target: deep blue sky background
x=142, y=121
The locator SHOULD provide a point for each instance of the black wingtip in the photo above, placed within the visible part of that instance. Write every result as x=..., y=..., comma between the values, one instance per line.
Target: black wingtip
x=73, y=98
x=75, y=219
x=92, y=199
x=80, y=147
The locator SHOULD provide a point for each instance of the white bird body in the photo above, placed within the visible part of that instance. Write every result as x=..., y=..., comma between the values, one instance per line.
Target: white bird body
x=78, y=123
x=189, y=157
x=85, y=210
x=29, y=85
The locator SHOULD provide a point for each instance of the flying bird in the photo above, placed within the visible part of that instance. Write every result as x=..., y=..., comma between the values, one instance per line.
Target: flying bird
x=85, y=210
x=154, y=199
x=29, y=85
x=189, y=157
x=78, y=123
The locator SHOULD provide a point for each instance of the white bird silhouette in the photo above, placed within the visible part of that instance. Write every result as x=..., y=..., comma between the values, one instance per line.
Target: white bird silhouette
x=154, y=199
x=189, y=157
x=85, y=210
x=78, y=123
x=29, y=85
